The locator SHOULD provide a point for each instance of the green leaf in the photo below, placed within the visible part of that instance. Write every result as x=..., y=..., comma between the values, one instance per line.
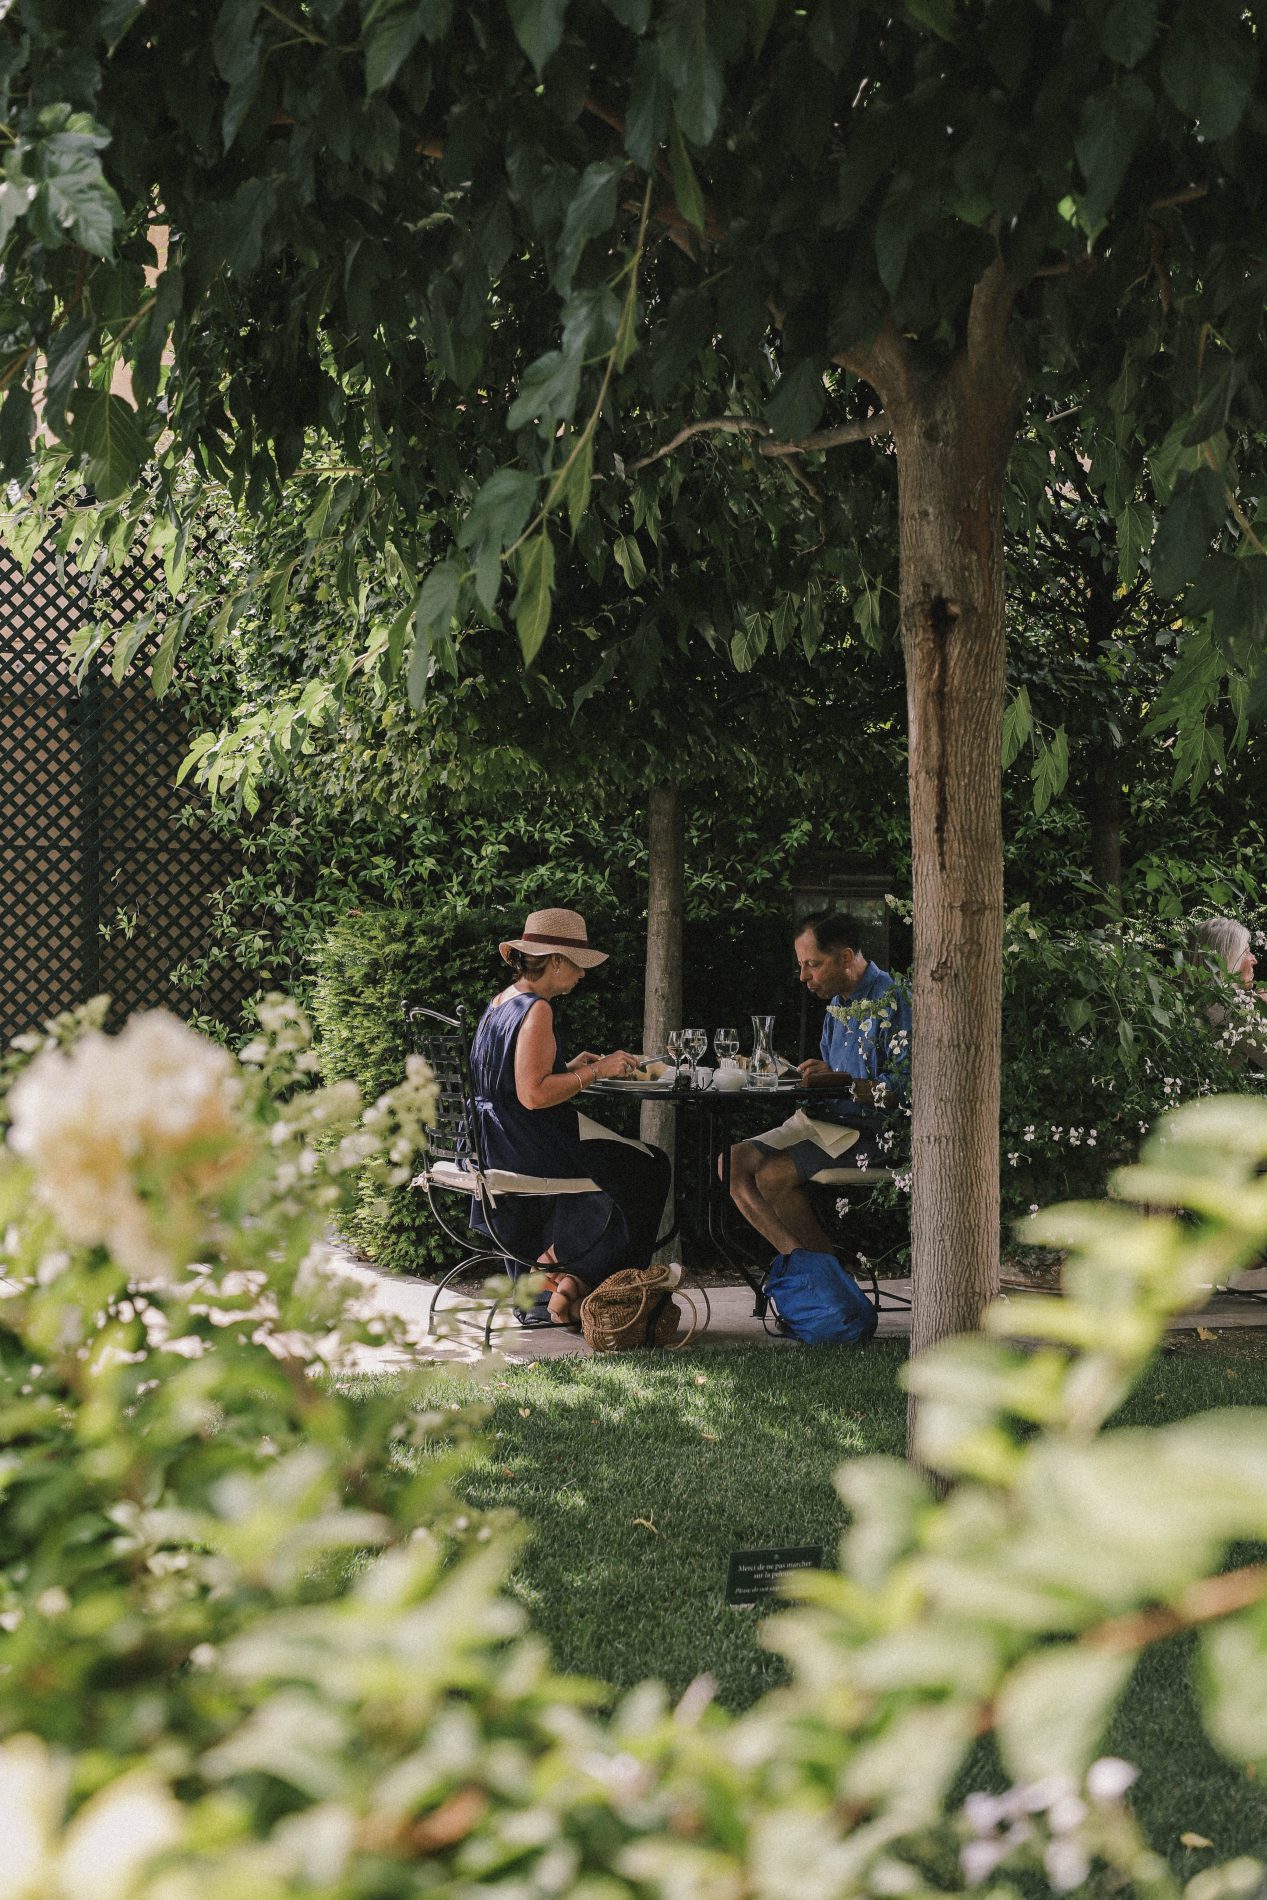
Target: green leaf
x=164, y=661
x=1197, y=511
x=1078, y=1013
x=749, y=641
x=1053, y=1709
x=547, y=391
x=783, y=622
x=73, y=202
x=592, y=211
x=1134, y=532
x=396, y=640
x=691, y=65
x=1050, y=770
x=1128, y=30
x=392, y=30
x=627, y=332
x=629, y=559
x=538, y=27
x=576, y=485
x=239, y=58
x=650, y=105
x=866, y=613
x=812, y=619
x=797, y=403
x=1175, y=454
x=635, y=14
x=686, y=187
x=1209, y=72
x=1232, y=1673
x=1018, y=724
x=438, y=597
x=937, y=15
x=1112, y=126
x=496, y=519
x=531, y=610
x=65, y=354
x=499, y=509
x=832, y=30
x=105, y=431
x=115, y=17
x=897, y=227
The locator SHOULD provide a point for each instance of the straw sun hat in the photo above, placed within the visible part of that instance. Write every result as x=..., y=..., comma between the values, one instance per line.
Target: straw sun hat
x=547, y=931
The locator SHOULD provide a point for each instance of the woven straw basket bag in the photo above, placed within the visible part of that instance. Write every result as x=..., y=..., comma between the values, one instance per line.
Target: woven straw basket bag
x=634, y=1310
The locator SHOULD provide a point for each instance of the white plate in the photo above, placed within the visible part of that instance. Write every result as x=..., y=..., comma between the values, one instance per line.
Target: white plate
x=624, y=1082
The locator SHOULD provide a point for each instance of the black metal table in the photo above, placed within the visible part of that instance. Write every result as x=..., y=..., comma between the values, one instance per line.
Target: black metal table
x=704, y=1184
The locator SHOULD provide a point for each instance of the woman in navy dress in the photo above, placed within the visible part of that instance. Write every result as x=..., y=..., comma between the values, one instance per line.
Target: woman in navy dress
x=525, y=1097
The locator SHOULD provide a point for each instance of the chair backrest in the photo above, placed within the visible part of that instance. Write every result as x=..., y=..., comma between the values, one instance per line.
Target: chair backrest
x=443, y=1042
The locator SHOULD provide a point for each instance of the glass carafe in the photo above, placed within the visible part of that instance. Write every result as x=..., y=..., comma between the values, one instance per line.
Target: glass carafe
x=763, y=1068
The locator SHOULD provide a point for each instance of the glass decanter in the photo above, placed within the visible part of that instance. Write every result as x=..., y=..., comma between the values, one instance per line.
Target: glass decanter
x=763, y=1070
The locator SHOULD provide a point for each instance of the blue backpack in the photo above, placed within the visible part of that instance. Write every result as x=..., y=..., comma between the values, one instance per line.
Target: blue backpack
x=816, y=1301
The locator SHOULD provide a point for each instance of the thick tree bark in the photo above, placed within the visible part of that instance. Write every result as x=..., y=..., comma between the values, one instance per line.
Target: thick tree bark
x=662, y=1004
x=1104, y=814
x=952, y=435
x=1104, y=778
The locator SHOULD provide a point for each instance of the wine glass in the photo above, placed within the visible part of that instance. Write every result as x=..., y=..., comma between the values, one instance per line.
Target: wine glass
x=674, y=1051
x=726, y=1043
x=695, y=1043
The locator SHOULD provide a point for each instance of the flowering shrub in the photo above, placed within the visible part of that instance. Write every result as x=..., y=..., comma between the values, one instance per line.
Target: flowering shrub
x=253, y=1651
x=1102, y=1031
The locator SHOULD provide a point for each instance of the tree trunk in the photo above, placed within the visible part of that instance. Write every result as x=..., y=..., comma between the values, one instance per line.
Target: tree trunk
x=1104, y=779
x=1104, y=813
x=662, y=1005
x=952, y=436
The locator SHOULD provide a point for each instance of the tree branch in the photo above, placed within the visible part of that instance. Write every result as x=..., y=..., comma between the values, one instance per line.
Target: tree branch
x=831, y=438
x=1189, y=195
x=988, y=314
x=769, y=445
x=885, y=363
x=1203, y=1602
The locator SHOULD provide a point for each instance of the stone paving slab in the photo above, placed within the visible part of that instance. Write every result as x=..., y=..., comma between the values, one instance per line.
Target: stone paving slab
x=459, y=1337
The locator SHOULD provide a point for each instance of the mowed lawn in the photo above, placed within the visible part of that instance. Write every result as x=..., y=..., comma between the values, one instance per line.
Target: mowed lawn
x=636, y=1476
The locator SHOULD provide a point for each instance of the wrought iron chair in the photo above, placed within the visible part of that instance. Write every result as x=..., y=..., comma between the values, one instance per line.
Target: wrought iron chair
x=826, y=1191
x=456, y=1162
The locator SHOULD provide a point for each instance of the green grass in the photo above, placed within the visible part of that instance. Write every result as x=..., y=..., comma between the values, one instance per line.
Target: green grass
x=636, y=1477
x=712, y=1451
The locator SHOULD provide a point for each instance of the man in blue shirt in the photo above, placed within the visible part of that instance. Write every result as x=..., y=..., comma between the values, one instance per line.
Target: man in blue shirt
x=866, y=1038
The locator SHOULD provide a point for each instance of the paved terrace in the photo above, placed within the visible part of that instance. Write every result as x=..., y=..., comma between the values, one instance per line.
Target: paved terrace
x=462, y=1314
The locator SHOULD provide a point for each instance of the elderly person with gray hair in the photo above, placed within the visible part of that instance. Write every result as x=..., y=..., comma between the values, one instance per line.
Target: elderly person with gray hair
x=1224, y=945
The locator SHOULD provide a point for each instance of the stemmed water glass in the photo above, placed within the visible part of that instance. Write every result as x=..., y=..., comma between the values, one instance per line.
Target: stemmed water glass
x=726, y=1043
x=695, y=1045
x=675, y=1052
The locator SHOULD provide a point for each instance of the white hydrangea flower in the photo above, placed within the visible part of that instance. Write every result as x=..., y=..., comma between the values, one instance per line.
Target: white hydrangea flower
x=151, y=1108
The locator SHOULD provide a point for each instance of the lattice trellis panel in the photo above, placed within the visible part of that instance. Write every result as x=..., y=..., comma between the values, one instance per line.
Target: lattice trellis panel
x=106, y=888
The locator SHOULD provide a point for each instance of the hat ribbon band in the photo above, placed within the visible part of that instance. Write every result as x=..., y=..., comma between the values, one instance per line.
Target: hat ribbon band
x=539, y=936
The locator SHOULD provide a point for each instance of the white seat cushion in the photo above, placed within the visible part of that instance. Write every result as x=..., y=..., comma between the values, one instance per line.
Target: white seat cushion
x=447, y=1174
x=851, y=1177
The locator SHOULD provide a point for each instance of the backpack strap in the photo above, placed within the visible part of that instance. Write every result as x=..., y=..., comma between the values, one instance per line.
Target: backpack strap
x=778, y=1330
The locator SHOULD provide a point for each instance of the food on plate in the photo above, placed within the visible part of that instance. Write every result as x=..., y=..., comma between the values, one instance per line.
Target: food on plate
x=650, y=1069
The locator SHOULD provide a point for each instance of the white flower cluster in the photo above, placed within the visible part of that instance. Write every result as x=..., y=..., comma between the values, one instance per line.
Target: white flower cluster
x=114, y=1119
x=102, y=1852
x=1048, y=1818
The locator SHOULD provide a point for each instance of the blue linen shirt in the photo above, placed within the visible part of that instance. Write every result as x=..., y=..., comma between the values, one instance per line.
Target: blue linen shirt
x=872, y=1045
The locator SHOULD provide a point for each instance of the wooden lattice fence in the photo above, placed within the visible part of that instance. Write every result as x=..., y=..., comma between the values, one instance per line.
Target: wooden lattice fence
x=107, y=887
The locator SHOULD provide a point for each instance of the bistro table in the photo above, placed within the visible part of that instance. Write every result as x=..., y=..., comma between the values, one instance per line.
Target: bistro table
x=701, y=1187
